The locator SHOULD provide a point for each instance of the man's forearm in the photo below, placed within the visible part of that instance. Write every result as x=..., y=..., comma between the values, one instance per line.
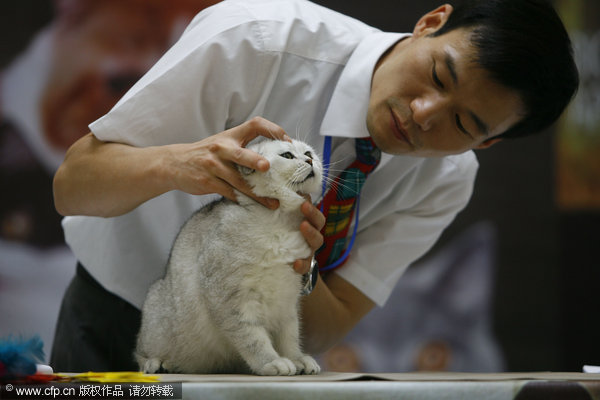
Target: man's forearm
x=107, y=179
x=330, y=312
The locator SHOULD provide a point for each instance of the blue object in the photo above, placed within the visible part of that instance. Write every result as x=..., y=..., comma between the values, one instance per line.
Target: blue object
x=19, y=357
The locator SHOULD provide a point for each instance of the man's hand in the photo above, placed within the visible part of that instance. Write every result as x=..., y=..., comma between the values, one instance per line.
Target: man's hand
x=209, y=166
x=311, y=230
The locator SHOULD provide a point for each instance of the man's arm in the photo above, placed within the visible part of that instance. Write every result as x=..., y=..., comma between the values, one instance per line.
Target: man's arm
x=330, y=312
x=110, y=179
x=335, y=306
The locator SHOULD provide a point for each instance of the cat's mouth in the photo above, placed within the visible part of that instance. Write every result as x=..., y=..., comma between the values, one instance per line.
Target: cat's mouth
x=298, y=184
x=307, y=177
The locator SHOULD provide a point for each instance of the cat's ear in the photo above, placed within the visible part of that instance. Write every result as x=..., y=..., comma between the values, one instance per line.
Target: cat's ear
x=245, y=171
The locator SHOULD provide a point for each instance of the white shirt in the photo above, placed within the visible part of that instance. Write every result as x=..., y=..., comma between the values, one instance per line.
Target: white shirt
x=304, y=67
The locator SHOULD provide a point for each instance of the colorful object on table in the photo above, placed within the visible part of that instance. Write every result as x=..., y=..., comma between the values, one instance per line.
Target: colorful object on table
x=120, y=377
x=19, y=357
x=20, y=360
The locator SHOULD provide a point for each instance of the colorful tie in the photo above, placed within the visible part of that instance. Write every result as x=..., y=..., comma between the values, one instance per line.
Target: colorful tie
x=340, y=201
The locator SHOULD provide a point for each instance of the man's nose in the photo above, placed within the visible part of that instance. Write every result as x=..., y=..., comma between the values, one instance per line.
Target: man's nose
x=427, y=110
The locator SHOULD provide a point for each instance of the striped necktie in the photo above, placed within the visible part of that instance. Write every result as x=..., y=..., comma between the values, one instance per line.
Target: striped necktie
x=340, y=202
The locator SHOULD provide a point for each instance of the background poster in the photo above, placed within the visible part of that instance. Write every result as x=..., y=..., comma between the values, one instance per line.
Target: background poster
x=578, y=133
x=577, y=148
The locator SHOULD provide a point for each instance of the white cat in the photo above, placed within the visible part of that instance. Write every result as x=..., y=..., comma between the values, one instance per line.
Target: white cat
x=229, y=300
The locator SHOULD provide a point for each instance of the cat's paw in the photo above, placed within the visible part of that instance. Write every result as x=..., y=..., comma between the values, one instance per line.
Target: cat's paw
x=307, y=365
x=279, y=366
x=151, y=365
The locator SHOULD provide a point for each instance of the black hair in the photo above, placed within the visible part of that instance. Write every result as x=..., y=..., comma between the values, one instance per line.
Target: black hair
x=524, y=46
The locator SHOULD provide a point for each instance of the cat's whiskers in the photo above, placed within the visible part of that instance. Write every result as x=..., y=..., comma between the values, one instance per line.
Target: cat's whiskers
x=299, y=175
x=297, y=133
x=295, y=178
x=341, y=184
x=341, y=161
x=307, y=132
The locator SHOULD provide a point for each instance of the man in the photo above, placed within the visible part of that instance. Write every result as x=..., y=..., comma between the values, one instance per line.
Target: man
x=241, y=71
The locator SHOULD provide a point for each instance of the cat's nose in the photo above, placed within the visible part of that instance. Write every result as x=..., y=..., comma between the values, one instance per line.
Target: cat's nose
x=309, y=161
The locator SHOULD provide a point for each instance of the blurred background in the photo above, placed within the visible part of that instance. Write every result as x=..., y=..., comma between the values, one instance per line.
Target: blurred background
x=512, y=285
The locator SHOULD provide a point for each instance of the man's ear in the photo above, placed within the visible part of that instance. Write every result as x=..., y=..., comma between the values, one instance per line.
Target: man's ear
x=432, y=21
x=488, y=143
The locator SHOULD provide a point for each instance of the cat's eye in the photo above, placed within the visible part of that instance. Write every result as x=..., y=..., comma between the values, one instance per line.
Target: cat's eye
x=287, y=155
x=308, y=154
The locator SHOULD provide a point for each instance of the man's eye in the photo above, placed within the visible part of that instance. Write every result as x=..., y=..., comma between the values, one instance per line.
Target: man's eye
x=460, y=126
x=287, y=155
x=435, y=76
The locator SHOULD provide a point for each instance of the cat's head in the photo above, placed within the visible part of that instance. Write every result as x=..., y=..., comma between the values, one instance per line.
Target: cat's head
x=295, y=168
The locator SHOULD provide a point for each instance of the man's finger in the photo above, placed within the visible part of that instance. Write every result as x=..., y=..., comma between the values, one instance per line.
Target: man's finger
x=302, y=266
x=313, y=236
x=235, y=180
x=258, y=126
x=246, y=158
x=313, y=215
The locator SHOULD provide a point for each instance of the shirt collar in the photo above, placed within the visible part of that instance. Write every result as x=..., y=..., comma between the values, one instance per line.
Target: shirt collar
x=346, y=114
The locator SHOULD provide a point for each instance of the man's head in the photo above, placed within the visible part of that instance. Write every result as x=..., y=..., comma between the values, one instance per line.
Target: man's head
x=524, y=46
x=470, y=76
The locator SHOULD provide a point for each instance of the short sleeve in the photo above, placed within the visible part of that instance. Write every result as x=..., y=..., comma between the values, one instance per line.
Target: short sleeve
x=403, y=225
x=209, y=80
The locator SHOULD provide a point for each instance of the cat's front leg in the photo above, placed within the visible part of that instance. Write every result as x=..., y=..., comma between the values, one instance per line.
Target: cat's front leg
x=152, y=365
x=238, y=318
x=307, y=365
x=288, y=344
x=254, y=346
